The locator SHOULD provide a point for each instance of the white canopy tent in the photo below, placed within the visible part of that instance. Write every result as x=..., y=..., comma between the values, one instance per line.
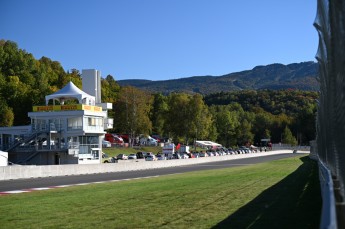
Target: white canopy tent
x=209, y=144
x=70, y=91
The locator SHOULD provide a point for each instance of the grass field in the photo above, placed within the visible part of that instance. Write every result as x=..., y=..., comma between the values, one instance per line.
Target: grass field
x=278, y=194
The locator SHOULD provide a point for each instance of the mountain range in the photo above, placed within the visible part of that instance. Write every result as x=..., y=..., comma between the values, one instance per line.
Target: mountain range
x=302, y=76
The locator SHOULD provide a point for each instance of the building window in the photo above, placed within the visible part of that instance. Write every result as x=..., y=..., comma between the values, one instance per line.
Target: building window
x=38, y=124
x=75, y=123
x=56, y=124
x=93, y=123
x=87, y=143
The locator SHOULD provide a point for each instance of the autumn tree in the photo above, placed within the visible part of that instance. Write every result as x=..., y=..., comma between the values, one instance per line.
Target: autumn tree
x=132, y=112
x=110, y=89
x=188, y=118
x=200, y=125
x=6, y=114
x=178, y=117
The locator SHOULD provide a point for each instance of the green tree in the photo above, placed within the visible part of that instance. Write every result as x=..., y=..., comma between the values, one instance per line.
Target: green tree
x=18, y=97
x=110, y=92
x=75, y=77
x=262, y=124
x=110, y=89
x=6, y=115
x=227, y=123
x=278, y=125
x=188, y=118
x=304, y=124
x=132, y=112
x=288, y=138
x=245, y=136
x=158, y=113
x=178, y=117
x=200, y=125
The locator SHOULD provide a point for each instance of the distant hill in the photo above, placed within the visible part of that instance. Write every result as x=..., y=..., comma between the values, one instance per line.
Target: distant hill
x=301, y=76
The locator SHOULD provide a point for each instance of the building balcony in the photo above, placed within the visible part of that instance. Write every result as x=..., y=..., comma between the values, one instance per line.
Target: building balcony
x=108, y=123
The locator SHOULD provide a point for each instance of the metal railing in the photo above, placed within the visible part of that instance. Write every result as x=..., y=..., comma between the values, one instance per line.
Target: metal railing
x=328, y=213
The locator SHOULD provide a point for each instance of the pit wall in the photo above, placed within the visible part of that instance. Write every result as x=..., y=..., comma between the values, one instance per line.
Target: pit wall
x=32, y=171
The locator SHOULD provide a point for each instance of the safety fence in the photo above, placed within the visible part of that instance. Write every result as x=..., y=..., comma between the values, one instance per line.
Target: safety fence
x=330, y=123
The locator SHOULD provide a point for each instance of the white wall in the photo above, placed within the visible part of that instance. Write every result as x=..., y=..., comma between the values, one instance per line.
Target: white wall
x=20, y=172
x=3, y=158
x=92, y=83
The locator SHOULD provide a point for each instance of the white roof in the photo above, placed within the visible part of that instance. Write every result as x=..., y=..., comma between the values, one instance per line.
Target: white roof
x=208, y=143
x=70, y=91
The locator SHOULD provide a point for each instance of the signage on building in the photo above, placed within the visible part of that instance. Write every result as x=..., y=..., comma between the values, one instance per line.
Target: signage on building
x=73, y=107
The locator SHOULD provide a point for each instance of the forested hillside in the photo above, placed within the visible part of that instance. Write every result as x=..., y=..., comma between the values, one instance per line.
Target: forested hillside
x=289, y=102
x=230, y=118
x=300, y=76
x=270, y=112
x=25, y=81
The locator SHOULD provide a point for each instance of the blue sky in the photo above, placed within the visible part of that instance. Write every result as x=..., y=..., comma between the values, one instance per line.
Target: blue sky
x=162, y=39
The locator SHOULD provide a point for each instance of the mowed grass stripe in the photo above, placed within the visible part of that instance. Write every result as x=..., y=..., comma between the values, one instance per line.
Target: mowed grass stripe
x=279, y=194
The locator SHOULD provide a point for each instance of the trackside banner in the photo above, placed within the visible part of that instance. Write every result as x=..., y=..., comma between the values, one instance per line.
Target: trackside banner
x=73, y=107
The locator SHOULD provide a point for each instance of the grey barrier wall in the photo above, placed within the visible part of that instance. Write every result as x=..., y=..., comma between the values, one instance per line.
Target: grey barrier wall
x=31, y=171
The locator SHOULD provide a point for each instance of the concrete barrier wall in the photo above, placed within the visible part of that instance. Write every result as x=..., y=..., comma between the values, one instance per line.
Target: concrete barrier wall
x=32, y=171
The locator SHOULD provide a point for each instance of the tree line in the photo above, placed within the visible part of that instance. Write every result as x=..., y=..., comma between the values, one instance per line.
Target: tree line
x=231, y=118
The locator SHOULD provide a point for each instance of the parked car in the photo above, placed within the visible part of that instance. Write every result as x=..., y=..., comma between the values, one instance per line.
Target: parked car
x=113, y=138
x=149, y=141
x=244, y=149
x=157, y=137
x=141, y=155
x=203, y=154
x=125, y=137
x=132, y=156
x=150, y=158
x=195, y=155
x=106, y=144
x=160, y=157
x=191, y=155
x=175, y=156
x=183, y=156
x=106, y=158
x=122, y=156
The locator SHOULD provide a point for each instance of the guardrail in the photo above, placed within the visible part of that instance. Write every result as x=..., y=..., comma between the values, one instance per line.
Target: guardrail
x=328, y=213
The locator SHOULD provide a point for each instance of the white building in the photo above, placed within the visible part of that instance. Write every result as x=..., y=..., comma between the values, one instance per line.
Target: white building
x=68, y=129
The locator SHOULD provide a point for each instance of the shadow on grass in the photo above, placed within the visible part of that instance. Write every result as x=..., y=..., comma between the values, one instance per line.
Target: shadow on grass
x=294, y=202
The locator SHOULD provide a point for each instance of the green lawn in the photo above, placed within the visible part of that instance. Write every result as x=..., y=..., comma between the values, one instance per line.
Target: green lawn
x=278, y=194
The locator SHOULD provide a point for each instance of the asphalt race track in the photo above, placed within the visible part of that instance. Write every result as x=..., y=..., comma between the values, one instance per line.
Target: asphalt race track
x=21, y=184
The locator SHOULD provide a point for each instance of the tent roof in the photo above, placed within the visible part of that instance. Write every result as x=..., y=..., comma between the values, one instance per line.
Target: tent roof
x=70, y=91
x=208, y=143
